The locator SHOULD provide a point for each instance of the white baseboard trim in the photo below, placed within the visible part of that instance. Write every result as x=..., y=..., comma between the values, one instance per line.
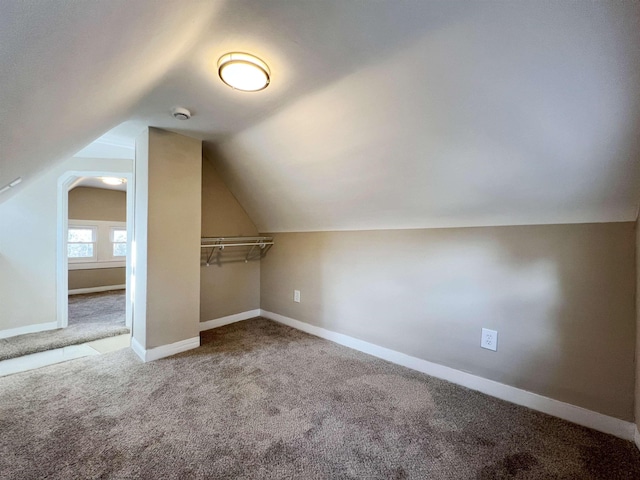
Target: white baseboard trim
x=105, y=288
x=38, y=327
x=636, y=437
x=138, y=349
x=236, y=317
x=164, y=350
x=556, y=408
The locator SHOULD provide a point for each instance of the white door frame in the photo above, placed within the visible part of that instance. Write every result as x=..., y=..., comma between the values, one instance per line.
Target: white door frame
x=66, y=182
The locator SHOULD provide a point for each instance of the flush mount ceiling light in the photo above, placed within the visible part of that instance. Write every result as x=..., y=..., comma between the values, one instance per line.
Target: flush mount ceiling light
x=113, y=180
x=244, y=72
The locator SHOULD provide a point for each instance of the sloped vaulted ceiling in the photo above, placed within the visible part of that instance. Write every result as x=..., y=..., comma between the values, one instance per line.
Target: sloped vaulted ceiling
x=71, y=70
x=379, y=115
x=502, y=114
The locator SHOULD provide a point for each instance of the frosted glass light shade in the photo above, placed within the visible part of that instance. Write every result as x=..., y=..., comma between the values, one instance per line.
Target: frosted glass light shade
x=113, y=180
x=244, y=72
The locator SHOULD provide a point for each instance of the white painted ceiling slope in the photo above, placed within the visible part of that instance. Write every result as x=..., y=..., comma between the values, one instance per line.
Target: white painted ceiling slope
x=379, y=115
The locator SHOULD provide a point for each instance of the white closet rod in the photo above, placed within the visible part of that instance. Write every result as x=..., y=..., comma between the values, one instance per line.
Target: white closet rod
x=220, y=243
x=212, y=242
x=252, y=244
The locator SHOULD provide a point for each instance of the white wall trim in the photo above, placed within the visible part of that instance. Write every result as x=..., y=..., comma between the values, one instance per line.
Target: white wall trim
x=236, y=317
x=566, y=411
x=138, y=349
x=636, y=437
x=164, y=350
x=96, y=265
x=104, y=288
x=38, y=327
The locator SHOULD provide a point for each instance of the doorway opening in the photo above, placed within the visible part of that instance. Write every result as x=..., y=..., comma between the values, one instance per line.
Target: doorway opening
x=95, y=264
x=96, y=255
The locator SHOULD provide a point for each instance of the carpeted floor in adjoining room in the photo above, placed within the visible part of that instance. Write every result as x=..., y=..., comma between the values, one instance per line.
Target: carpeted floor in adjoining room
x=259, y=400
x=92, y=316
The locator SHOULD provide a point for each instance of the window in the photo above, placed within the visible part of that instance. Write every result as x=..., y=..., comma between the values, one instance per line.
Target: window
x=81, y=244
x=118, y=242
x=96, y=244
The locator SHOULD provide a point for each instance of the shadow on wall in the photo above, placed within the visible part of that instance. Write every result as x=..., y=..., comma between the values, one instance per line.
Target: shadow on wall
x=560, y=297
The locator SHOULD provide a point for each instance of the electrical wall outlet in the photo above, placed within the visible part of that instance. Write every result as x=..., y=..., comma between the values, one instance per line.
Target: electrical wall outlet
x=296, y=296
x=489, y=339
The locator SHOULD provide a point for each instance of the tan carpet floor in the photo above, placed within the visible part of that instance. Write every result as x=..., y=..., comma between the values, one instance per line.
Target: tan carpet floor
x=259, y=400
x=92, y=316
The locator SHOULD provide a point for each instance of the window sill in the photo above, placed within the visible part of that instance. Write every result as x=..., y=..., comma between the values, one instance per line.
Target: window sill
x=96, y=265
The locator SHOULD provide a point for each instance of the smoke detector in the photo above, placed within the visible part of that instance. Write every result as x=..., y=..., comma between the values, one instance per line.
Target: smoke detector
x=181, y=113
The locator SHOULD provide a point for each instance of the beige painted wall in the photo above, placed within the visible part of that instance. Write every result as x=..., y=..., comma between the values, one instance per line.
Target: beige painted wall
x=230, y=286
x=28, y=222
x=167, y=234
x=97, y=277
x=560, y=296
x=97, y=204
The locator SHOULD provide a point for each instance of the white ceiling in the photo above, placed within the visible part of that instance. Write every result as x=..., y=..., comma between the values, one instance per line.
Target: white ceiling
x=384, y=115
x=118, y=142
